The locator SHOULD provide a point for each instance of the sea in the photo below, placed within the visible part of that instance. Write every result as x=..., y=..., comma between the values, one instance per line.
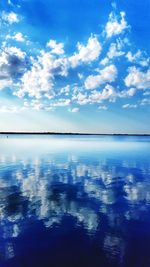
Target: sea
x=74, y=201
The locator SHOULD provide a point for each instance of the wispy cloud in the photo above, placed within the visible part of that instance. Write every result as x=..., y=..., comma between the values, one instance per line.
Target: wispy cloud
x=126, y=106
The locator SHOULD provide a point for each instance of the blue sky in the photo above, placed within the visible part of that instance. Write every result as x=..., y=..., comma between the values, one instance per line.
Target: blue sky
x=75, y=66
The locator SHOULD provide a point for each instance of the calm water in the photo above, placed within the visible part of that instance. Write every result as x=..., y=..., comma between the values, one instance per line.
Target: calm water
x=74, y=201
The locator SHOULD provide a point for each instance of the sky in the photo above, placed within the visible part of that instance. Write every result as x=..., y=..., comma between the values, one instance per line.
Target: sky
x=75, y=66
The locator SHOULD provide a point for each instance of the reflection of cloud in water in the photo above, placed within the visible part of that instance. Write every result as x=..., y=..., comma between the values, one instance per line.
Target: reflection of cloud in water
x=114, y=248
x=50, y=188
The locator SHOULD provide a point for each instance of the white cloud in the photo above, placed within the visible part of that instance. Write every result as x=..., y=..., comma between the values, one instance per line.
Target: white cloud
x=5, y=83
x=26, y=104
x=81, y=76
x=45, y=79
x=108, y=74
x=86, y=54
x=10, y=3
x=35, y=82
x=12, y=50
x=138, y=58
x=65, y=90
x=6, y=109
x=114, y=51
x=115, y=25
x=17, y=37
x=74, y=110
x=107, y=93
x=146, y=93
x=36, y=104
x=61, y=103
x=49, y=108
x=104, y=61
x=126, y=106
x=80, y=98
x=103, y=107
x=138, y=78
x=127, y=93
x=133, y=58
x=39, y=81
x=12, y=64
x=131, y=92
x=145, y=101
x=56, y=66
x=56, y=48
x=10, y=17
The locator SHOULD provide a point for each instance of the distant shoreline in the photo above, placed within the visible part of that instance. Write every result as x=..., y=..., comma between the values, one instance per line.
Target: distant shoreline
x=55, y=133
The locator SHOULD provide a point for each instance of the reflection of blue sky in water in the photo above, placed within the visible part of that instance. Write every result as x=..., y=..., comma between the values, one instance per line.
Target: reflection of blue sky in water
x=98, y=189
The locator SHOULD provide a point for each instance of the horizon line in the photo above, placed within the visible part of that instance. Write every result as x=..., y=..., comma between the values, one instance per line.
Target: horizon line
x=71, y=133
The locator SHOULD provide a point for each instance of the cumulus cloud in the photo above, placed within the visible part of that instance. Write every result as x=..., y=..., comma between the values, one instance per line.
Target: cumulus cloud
x=80, y=98
x=127, y=93
x=12, y=64
x=98, y=96
x=50, y=78
x=33, y=104
x=87, y=53
x=74, y=110
x=17, y=37
x=133, y=58
x=107, y=93
x=108, y=74
x=35, y=82
x=39, y=80
x=5, y=83
x=114, y=51
x=104, y=61
x=138, y=78
x=49, y=65
x=10, y=17
x=138, y=58
x=56, y=48
x=116, y=25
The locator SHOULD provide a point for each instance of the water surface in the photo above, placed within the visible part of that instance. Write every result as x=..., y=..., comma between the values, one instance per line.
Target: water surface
x=71, y=201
